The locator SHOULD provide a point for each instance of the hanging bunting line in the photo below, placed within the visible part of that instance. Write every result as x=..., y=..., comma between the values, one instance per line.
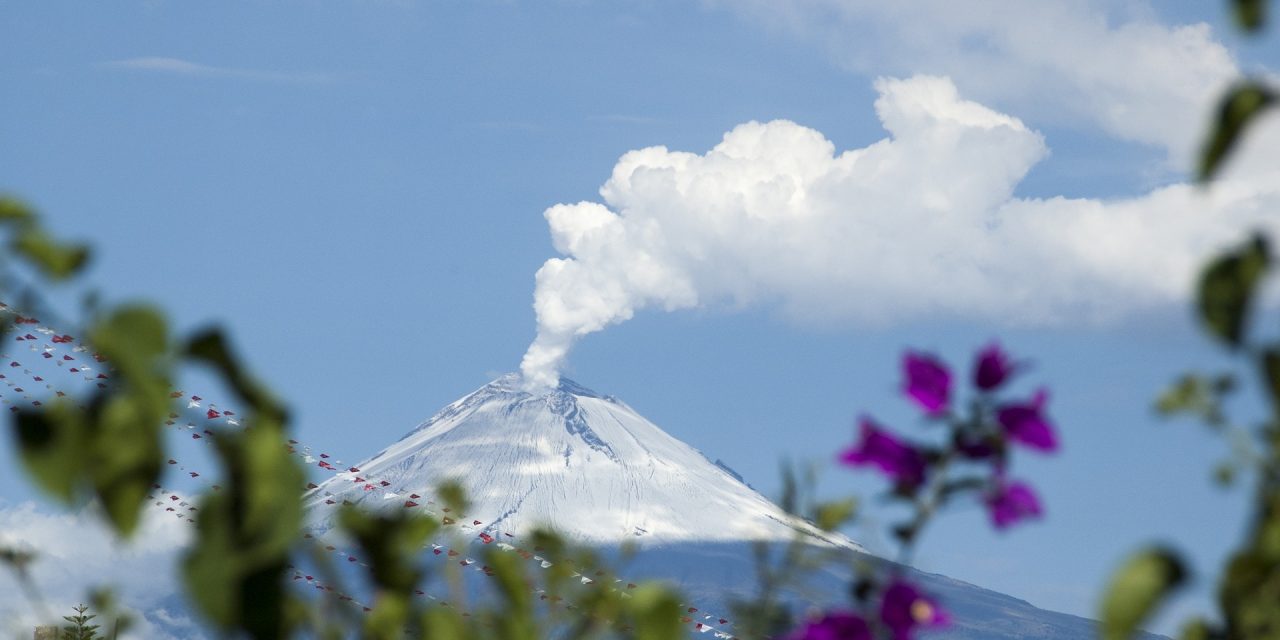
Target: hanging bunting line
x=703, y=623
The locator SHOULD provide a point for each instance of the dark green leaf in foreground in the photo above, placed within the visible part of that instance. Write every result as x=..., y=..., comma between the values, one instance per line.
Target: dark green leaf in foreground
x=392, y=545
x=1238, y=108
x=1250, y=14
x=126, y=456
x=210, y=347
x=112, y=449
x=56, y=260
x=1227, y=288
x=1137, y=589
x=655, y=613
x=50, y=444
x=235, y=572
x=1198, y=629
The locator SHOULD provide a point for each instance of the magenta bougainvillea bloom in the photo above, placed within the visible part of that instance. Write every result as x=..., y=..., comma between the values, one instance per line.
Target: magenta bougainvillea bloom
x=928, y=381
x=834, y=625
x=898, y=460
x=904, y=608
x=992, y=368
x=1010, y=502
x=1025, y=423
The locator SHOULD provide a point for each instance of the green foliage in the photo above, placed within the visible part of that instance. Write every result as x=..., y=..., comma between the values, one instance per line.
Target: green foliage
x=79, y=627
x=1227, y=289
x=1250, y=14
x=55, y=260
x=1236, y=111
x=1135, y=591
x=235, y=571
x=835, y=514
x=1199, y=396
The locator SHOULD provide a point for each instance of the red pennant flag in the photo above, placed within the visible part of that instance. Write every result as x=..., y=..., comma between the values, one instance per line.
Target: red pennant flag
x=410, y=503
x=475, y=522
x=212, y=414
x=67, y=357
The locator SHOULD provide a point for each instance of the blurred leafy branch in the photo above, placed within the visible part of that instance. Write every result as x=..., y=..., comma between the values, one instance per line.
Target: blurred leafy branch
x=1226, y=302
x=110, y=449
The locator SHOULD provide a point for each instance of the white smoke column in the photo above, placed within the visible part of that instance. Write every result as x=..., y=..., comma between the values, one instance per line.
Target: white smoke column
x=921, y=223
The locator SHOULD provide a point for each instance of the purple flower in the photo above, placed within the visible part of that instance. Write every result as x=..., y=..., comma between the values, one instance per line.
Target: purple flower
x=992, y=368
x=1010, y=502
x=928, y=381
x=1026, y=423
x=834, y=625
x=904, y=608
x=900, y=461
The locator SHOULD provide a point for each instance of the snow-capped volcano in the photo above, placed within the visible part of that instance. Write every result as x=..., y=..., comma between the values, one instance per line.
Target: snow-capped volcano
x=569, y=458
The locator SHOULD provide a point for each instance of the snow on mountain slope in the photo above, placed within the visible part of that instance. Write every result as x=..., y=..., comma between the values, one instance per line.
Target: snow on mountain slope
x=585, y=464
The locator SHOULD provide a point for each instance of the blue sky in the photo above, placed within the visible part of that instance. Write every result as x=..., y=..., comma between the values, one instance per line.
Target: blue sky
x=356, y=189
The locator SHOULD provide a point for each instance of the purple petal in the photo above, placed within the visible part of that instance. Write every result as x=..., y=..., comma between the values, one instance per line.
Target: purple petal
x=1012, y=502
x=1026, y=424
x=834, y=625
x=877, y=447
x=928, y=381
x=992, y=368
x=904, y=608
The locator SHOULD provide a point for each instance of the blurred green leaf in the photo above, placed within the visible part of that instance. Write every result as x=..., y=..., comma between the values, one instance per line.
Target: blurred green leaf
x=210, y=346
x=1227, y=288
x=832, y=515
x=1249, y=591
x=453, y=496
x=444, y=622
x=51, y=446
x=515, y=618
x=55, y=260
x=126, y=457
x=1237, y=109
x=391, y=545
x=1198, y=629
x=389, y=618
x=235, y=571
x=135, y=340
x=655, y=613
x=1250, y=14
x=114, y=448
x=15, y=211
x=1137, y=589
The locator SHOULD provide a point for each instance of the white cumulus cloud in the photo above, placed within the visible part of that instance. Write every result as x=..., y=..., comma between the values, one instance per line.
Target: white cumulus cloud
x=923, y=222
x=75, y=553
x=1106, y=65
